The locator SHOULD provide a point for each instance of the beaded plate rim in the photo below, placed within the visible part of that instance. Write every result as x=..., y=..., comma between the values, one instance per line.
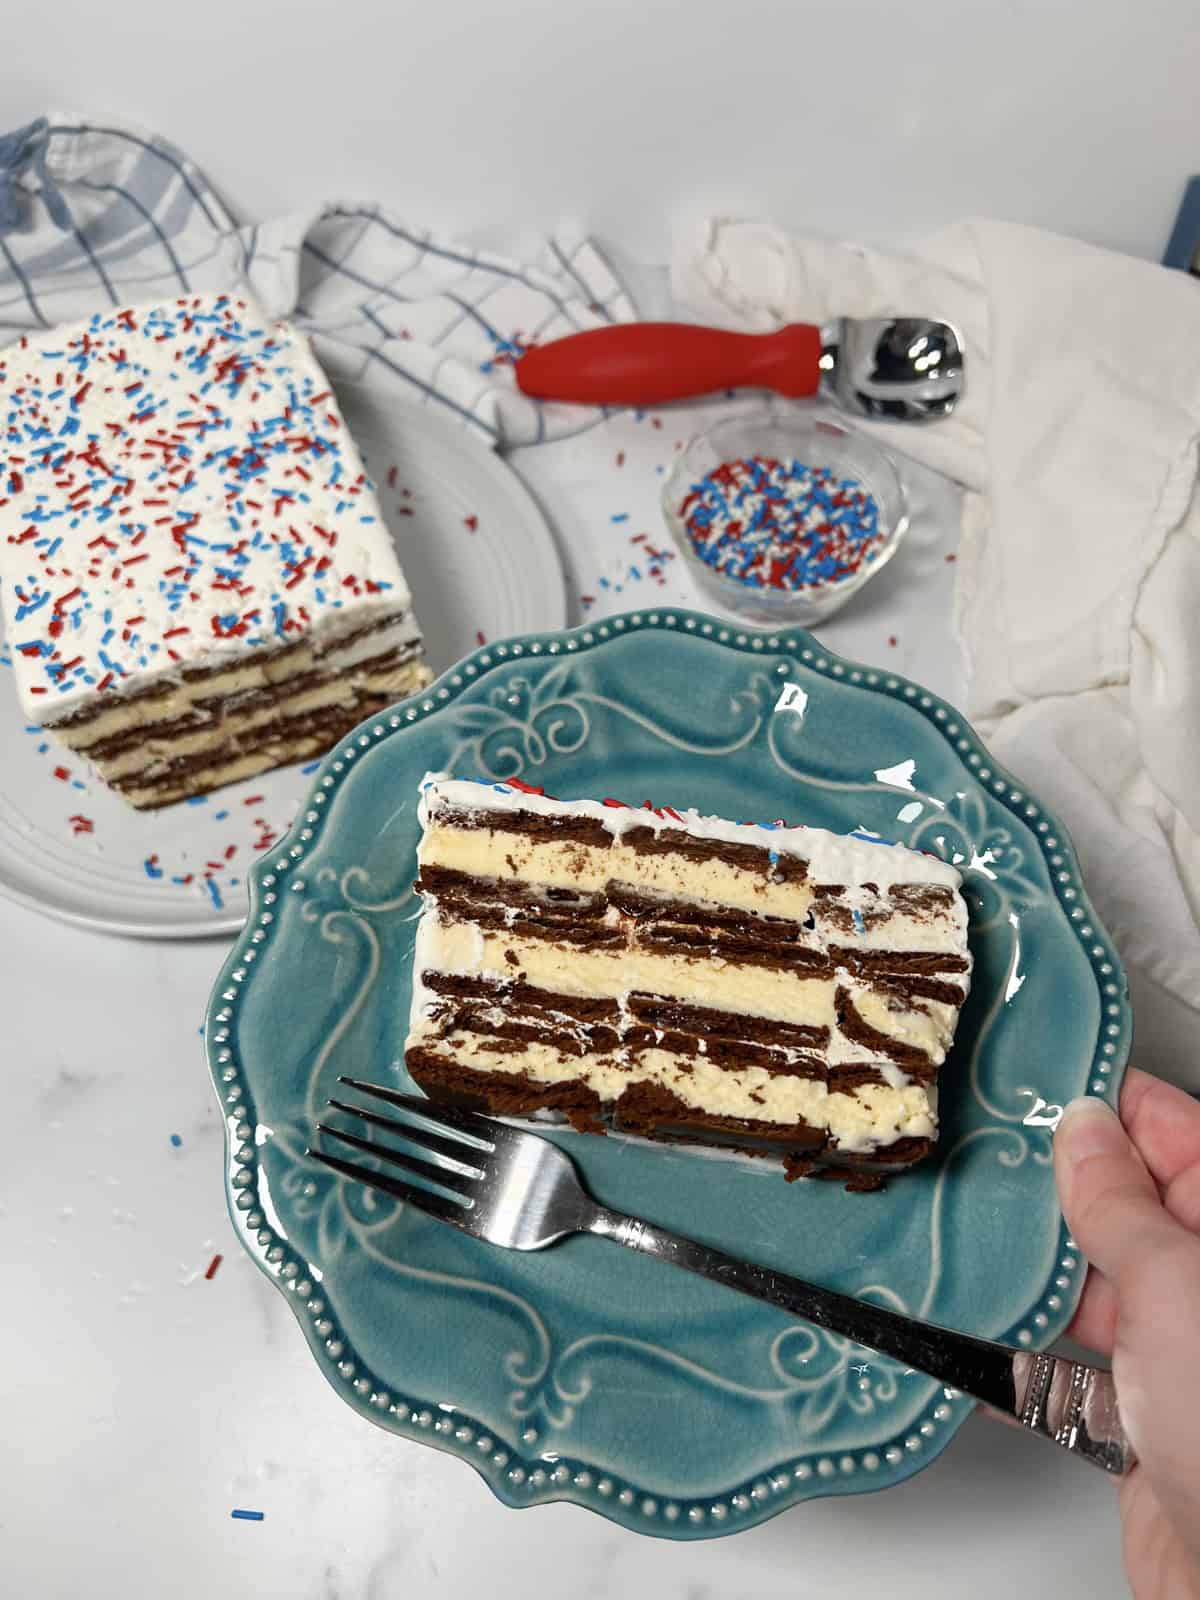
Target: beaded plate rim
x=521, y=1480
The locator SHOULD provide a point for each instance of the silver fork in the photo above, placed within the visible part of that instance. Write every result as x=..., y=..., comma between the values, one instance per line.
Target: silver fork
x=520, y=1191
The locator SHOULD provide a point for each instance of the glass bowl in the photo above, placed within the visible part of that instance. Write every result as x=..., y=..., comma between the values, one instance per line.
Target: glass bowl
x=817, y=442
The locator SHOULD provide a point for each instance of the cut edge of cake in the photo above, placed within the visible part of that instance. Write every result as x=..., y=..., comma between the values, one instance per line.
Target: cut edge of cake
x=776, y=990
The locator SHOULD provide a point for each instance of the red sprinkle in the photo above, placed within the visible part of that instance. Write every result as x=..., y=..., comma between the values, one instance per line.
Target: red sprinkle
x=479, y=637
x=62, y=774
x=892, y=640
x=525, y=788
x=81, y=824
x=471, y=522
x=211, y=1270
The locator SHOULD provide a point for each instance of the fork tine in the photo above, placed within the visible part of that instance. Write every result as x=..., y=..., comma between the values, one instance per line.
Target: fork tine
x=423, y=1199
x=395, y=1158
x=453, y=1149
x=448, y=1118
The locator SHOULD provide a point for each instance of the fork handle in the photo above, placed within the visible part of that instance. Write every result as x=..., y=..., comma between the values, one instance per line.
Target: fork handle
x=1069, y=1402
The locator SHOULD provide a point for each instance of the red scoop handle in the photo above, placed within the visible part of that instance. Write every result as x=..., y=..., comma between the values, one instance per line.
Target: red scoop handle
x=649, y=363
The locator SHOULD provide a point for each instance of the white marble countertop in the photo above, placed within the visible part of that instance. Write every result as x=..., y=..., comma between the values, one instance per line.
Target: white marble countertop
x=145, y=1401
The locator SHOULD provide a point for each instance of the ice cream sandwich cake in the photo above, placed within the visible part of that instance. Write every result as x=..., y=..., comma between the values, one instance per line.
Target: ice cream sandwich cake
x=783, y=990
x=196, y=578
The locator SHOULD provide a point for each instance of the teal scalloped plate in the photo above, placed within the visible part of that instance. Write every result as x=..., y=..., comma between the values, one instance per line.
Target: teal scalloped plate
x=587, y=1373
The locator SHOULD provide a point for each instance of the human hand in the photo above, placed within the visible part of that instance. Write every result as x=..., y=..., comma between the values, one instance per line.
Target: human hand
x=1131, y=1197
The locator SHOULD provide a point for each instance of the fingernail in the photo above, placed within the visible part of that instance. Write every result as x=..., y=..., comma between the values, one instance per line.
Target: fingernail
x=1089, y=1127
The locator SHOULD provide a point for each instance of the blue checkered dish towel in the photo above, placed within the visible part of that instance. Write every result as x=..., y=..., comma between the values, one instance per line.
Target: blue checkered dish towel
x=95, y=214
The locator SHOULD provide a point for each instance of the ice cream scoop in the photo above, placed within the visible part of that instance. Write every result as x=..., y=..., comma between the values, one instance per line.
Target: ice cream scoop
x=906, y=369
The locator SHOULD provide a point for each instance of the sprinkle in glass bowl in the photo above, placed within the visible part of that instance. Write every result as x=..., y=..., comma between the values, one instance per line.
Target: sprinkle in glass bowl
x=781, y=517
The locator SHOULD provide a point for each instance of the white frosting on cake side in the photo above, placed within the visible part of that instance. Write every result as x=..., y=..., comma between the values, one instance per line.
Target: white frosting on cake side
x=177, y=489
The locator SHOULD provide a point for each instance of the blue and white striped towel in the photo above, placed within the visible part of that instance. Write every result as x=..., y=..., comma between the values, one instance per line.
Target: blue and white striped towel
x=94, y=214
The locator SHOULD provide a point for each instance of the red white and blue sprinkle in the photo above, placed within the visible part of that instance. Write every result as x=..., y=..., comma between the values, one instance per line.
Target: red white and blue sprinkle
x=775, y=524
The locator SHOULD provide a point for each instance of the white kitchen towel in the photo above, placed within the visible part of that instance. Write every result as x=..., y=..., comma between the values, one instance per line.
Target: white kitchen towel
x=94, y=213
x=1078, y=601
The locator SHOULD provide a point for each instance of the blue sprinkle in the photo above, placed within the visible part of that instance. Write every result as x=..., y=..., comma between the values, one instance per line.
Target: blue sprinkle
x=176, y=1140
x=622, y=516
x=151, y=870
x=214, y=894
x=24, y=611
x=860, y=926
x=246, y=1516
x=311, y=767
x=219, y=816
